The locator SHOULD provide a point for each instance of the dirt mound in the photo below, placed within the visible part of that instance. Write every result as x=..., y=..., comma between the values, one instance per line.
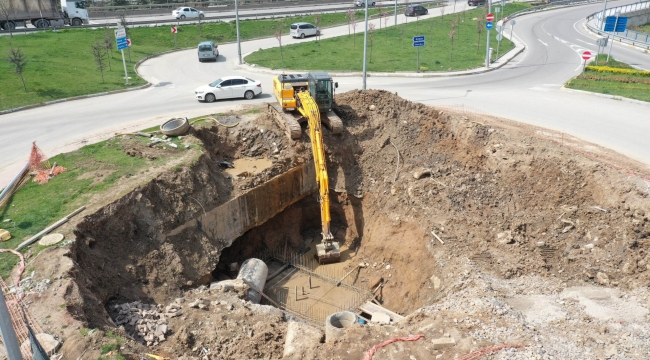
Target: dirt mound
x=507, y=205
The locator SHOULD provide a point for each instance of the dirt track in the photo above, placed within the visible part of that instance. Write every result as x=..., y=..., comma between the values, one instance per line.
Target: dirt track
x=542, y=244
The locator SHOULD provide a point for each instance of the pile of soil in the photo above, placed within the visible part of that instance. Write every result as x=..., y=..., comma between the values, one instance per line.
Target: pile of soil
x=455, y=217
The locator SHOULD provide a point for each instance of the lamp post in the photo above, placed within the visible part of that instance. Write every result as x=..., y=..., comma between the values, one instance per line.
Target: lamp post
x=237, y=26
x=365, y=45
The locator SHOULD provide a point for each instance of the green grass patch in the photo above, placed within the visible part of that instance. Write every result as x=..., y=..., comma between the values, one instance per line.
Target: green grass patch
x=642, y=29
x=629, y=86
x=391, y=48
x=60, y=64
x=91, y=170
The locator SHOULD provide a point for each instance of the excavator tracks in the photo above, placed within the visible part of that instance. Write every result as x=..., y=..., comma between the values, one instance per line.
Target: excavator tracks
x=333, y=122
x=286, y=121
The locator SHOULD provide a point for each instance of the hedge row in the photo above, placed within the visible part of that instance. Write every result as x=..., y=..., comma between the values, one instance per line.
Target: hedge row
x=612, y=70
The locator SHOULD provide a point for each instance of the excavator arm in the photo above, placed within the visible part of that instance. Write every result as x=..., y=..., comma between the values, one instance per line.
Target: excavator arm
x=328, y=250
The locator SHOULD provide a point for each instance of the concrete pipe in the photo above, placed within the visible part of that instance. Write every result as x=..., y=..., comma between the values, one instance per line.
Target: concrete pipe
x=254, y=271
x=335, y=323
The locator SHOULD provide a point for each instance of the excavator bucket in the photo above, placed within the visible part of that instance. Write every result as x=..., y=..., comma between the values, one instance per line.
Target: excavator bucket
x=328, y=254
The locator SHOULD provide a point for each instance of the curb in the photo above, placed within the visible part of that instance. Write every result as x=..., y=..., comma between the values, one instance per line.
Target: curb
x=606, y=96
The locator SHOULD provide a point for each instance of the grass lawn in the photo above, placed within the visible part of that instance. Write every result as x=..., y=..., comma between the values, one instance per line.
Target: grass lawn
x=92, y=173
x=643, y=28
x=60, y=64
x=390, y=49
x=631, y=86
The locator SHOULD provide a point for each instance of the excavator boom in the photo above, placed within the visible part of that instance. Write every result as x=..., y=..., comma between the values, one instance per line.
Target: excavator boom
x=328, y=251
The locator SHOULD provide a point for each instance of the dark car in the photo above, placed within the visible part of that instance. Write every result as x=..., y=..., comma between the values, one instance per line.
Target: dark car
x=416, y=10
x=475, y=2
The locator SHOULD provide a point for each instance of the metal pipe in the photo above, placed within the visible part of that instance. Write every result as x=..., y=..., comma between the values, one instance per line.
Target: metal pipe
x=7, y=331
x=9, y=188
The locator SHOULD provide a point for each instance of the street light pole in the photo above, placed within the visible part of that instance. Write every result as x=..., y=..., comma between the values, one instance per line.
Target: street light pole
x=365, y=46
x=602, y=18
x=395, y=12
x=487, y=48
x=237, y=25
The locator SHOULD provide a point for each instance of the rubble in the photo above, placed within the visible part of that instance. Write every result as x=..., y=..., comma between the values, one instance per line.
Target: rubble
x=147, y=323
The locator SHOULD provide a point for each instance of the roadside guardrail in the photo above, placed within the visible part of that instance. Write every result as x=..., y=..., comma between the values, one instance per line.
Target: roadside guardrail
x=631, y=37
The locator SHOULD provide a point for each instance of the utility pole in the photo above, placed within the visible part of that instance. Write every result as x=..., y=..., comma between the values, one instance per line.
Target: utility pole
x=365, y=45
x=487, y=48
x=395, y=12
x=237, y=25
x=7, y=332
x=602, y=18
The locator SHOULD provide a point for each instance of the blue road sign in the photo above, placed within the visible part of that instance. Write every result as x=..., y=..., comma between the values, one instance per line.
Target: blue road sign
x=418, y=38
x=612, y=25
x=418, y=43
x=121, y=43
x=488, y=25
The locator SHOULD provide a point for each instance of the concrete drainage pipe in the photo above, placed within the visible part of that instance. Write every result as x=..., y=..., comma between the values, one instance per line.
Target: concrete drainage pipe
x=335, y=323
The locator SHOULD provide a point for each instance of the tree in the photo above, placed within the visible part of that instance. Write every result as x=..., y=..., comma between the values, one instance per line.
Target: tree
x=126, y=25
x=18, y=60
x=406, y=5
x=7, y=11
x=97, y=49
x=354, y=29
x=442, y=14
x=381, y=14
x=371, y=32
x=316, y=22
x=479, y=29
x=452, y=35
x=464, y=13
x=108, y=46
x=349, y=16
x=431, y=26
x=200, y=26
x=278, y=35
x=402, y=31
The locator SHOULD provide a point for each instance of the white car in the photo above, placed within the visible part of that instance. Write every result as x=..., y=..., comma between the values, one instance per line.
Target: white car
x=229, y=87
x=187, y=12
x=363, y=3
x=303, y=29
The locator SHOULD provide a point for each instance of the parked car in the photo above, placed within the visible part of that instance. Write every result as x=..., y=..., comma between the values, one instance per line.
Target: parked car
x=229, y=87
x=187, y=12
x=303, y=29
x=415, y=10
x=475, y=2
x=208, y=51
x=363, y=3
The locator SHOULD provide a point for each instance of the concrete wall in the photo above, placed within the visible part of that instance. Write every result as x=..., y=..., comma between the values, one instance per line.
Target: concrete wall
x=637, y=18
x=232, y=219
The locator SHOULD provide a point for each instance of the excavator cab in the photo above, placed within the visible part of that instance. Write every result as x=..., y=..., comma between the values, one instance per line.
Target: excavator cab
x=321, y=86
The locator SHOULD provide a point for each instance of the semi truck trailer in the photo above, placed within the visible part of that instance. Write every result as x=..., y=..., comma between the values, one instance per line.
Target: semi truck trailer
x=42, y=13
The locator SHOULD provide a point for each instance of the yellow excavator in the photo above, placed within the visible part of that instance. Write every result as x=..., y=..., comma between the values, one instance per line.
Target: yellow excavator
x=302, y=93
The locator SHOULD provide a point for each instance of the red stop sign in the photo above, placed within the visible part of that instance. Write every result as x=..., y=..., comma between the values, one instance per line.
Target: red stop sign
x=490, y=17
x=586, y=55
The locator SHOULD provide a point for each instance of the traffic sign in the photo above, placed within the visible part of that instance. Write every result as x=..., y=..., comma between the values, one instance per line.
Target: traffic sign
x=174, y=30
x=128, y=42
x=513, y=22
x=418, y=38
x=418, y=43
x=586, y=55
x=497, y=9
x=499, y=28
x=121, y=43
x=489, y=17
x=615, y=23
x=488, y=25
x=499, y=37
x=120, y=33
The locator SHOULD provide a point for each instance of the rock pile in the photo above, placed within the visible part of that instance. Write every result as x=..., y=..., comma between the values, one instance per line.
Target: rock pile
x=147, y=323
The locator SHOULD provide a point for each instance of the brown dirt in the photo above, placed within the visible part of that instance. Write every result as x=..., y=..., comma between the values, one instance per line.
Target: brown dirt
x=509, y=203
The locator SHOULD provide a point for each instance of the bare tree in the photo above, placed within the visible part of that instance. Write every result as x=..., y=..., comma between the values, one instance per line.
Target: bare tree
x=431, y=26
x=406, y=5
x=200, y=26
x=464, y=13
x=7, y=11
x=108, y=46
x=455, y=1
x=402, y=31
x=317, y=17
x=385, y=24
x=18, y=60
x=349, y=16
x=479, y=29
x=371, y=32
x=97, y=49
x=442, y=14
x=126, y=24
x=278, y=35
x=354, y=29
x=452, y=35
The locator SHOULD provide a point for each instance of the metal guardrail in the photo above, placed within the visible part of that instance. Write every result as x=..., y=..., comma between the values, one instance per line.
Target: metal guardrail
x=631, y=37
x=167, y=21
x=549, y=6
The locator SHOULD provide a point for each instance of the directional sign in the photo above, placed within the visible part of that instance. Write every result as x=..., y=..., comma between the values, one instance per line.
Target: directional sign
x=418, y=38
x=120, y=33
x=128, y=42
x=586, y=55
x=121, y=43
x=418, y=43
x=611, y=23
x=174, y=30
x=488, y=25
x=489, y=17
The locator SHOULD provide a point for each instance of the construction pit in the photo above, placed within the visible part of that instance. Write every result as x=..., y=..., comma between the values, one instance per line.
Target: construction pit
x=478, y=233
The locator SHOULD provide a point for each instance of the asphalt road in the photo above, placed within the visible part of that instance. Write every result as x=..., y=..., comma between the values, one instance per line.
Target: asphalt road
x=526, y=90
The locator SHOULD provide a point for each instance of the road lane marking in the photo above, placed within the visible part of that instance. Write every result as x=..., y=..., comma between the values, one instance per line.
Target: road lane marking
x=545, y=44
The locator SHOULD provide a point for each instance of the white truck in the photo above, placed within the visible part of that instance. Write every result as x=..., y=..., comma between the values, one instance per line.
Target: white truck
x=42, y=13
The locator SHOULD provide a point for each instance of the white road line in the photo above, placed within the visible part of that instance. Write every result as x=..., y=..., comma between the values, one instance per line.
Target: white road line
x=545, y=44
x=585, y=42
